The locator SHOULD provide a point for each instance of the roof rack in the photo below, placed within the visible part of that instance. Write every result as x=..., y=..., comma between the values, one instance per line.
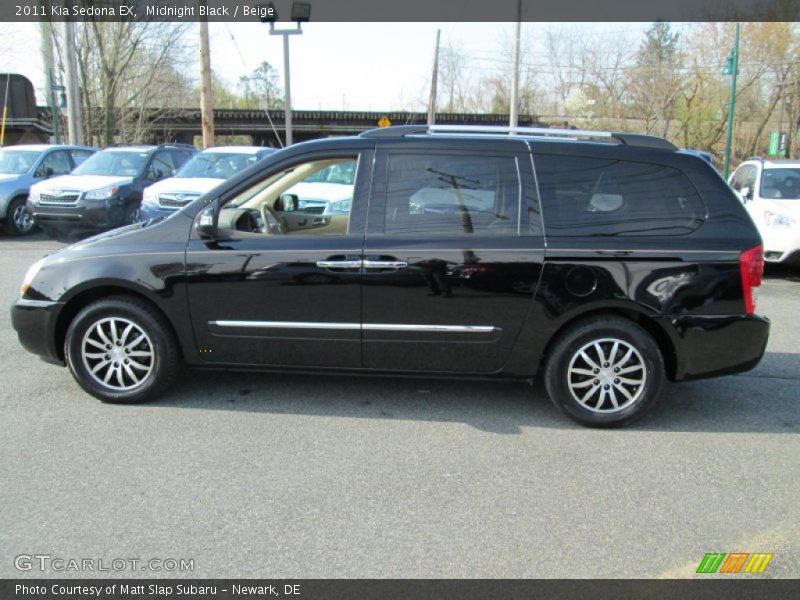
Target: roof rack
x=628, y=139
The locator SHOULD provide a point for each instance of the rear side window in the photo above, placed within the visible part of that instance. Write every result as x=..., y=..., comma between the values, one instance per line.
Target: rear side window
x=452, y=195
x=590, y=196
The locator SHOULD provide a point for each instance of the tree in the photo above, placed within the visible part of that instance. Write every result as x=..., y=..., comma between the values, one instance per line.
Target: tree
x=261, y=88
x=656, y=82
x=130, y=74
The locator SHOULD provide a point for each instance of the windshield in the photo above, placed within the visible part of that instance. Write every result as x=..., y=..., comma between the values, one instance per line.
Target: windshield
x=16, y=162
x=216, y=165
x=113, y=162
x=781, y=184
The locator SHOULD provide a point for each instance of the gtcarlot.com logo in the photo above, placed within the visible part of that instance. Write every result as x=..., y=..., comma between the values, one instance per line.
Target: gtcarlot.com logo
x=734, y=562
x=46, y=562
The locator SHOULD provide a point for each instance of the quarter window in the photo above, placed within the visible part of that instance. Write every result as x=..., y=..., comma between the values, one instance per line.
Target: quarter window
x=590, y=196
x=452, y=195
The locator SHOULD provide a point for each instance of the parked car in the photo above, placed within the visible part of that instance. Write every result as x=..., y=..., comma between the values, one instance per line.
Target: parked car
x=329, y=191
x=770, y=191
x=609, y=261
x=106, y=190
x=21, y=167
x=704, y=154
x=202, y=173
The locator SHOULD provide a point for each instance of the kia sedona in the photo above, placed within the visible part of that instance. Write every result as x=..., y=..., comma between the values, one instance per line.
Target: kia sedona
x=106, y=190
x=608, y=262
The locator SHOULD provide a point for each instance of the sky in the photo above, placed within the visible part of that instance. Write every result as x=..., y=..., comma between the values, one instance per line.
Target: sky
x=334, y=66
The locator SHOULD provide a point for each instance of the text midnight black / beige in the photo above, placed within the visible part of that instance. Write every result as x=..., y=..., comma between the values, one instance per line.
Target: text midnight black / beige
x=182, y=12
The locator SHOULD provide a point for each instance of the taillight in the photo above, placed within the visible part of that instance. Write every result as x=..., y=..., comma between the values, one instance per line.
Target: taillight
x=751, y=266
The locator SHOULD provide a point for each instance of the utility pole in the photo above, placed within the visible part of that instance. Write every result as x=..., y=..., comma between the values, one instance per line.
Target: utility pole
x=206, y=98
x=732, y=69
x=434, y=81
x=74, y=120
x=46, y=31
x=513, y=117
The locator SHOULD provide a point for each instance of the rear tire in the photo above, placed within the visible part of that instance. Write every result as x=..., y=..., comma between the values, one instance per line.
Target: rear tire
x=121, y=349
x=604, y=372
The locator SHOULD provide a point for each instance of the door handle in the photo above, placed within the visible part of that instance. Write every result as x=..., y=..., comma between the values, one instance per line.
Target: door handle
x=339, y=264
x=385, y=264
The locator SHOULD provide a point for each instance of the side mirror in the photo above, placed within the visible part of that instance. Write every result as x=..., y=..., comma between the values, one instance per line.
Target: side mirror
x=206, y=226
x=48, y=172
x=746, y=193
x=288, y=203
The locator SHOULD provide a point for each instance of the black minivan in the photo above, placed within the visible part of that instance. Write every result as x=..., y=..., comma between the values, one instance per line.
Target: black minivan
x=608, y=261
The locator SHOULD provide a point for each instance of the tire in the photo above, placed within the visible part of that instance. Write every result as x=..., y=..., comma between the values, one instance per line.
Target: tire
x=19, y=220
x=602, y=361
x=154, y=359
x=131, y=215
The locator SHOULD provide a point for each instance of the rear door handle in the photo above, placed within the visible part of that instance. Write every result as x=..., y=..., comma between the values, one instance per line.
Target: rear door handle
x=339, y=264
x=385, y=264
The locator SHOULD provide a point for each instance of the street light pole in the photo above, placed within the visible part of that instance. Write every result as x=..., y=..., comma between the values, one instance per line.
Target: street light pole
x=287, y=89
x=514, y=108
x=301, y=12
x=732, y=69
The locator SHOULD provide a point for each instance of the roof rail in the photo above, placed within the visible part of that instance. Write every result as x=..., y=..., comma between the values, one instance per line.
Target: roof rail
x=628, y=139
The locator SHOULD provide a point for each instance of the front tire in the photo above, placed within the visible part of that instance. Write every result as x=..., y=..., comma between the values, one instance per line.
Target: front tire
x=121, y=349
x=19, y=220
x=604, y=372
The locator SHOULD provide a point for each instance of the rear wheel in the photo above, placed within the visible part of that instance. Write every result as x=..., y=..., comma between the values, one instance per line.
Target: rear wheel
x=121, y=349
x=19, y=219
x=604, y=372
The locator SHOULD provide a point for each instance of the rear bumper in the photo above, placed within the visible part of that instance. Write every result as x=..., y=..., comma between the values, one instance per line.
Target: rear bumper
x=713, y=346
x=35, y=324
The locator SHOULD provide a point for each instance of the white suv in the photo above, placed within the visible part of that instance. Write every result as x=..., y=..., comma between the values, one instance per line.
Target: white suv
x=770, y=190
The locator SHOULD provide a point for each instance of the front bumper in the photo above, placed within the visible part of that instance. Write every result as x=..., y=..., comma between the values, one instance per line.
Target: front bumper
x=713, y=346
x=35, y=324
x=103, y=214
x=781, y=245
x=153, y=211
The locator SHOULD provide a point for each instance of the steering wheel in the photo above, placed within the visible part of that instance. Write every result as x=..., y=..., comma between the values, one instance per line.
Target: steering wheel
x=272, y=222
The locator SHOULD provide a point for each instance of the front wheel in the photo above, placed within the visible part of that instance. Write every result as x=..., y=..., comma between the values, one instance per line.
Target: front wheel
x=604, y=372
x=19, y=219
x=121, y=349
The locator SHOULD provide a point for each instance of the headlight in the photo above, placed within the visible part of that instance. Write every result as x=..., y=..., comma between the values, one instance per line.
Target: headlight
x=32, y=271
x=150, y=196
x=102, y=194
x=341, y=207
x=34, y=195
x=778, y=221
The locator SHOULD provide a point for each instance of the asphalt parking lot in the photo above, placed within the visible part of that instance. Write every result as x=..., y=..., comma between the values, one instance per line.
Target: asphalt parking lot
x=318, y=476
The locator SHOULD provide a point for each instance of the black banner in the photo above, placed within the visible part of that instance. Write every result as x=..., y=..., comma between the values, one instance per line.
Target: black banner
x=392, y=589
x=400, y=10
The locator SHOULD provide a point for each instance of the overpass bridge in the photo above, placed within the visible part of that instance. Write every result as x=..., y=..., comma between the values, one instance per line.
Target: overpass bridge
x=265, y=128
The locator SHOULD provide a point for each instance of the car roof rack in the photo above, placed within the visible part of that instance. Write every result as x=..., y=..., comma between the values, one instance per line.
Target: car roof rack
x=627, y=139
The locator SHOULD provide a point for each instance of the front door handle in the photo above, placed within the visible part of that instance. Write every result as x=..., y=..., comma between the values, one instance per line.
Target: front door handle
x=385, y=264
x=339, y=264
